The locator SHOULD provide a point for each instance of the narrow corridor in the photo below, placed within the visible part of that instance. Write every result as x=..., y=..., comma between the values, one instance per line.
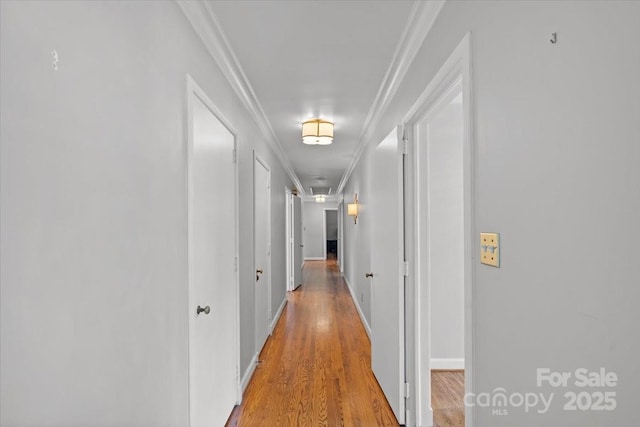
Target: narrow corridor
x=315, y=369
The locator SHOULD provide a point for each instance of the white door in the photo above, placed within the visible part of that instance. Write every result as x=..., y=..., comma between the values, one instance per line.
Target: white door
x=297, y=242
x=387, y=283
x=262, y=221
x=212, y=277
x=289, y=237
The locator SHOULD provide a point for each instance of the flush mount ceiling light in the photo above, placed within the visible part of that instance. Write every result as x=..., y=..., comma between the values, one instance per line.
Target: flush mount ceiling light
x=317, y=132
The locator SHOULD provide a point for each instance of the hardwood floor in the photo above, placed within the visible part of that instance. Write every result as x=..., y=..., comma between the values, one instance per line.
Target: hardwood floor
x=447, y=394
x=315, y=369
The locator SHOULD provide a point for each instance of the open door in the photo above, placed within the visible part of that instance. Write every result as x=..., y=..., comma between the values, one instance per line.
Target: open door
x=387, y=280
x=298, y=261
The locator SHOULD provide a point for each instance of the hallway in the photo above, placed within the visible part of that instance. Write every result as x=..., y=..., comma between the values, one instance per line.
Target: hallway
x=315, y=369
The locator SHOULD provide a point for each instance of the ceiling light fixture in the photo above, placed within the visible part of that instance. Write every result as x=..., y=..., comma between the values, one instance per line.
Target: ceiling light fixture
x=317, y=132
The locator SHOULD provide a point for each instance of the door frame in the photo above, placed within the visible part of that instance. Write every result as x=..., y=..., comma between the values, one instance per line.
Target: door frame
x=289, y=232
x=193, y=90
x=259, y=159
x=457, y=68
x=341, y=236
x=324, y=229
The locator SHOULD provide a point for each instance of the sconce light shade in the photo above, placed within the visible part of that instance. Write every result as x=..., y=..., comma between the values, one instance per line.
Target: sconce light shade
x=317, y=132
x=352, y=209
x=320, y=199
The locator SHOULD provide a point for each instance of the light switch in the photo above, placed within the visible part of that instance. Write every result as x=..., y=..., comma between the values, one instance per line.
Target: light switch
x=490, y=249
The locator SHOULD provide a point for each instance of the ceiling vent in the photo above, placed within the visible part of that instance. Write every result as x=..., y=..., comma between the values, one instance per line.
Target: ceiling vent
x=324, y=191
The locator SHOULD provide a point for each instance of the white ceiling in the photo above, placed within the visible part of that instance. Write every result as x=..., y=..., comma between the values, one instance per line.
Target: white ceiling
x=307, y=59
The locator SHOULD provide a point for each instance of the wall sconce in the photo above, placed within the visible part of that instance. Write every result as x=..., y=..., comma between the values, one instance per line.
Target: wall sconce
x=320, y=199
x=352, y=209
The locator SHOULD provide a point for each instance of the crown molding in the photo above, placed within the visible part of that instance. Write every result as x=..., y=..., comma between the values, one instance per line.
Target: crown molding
x=421, y=19
x=206, y=25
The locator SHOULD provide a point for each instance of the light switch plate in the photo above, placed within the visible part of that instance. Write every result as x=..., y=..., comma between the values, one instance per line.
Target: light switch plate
x=490, y=249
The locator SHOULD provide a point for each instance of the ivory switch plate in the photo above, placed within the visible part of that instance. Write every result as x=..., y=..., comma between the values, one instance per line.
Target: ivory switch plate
x=490, y=249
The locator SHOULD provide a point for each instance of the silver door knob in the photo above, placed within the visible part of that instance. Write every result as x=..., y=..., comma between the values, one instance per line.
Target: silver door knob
x=205, y=310
x=368, y=275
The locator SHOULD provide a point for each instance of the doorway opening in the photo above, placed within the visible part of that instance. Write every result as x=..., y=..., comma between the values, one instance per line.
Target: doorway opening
x=440, y=126
x=330, y=234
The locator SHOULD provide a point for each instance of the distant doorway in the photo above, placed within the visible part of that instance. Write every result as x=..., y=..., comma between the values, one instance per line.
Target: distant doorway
x=330, y=233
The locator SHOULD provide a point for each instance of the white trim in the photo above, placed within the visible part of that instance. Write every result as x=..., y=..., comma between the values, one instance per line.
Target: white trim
x=421, y=19
x=313, y=258
x=193, y=89
x=447, y=364
x=456, y=68
x=206, y=25
x=341, y=235
x=248, y=373
x=367, y=328
x=289, y=238
x=274, y=322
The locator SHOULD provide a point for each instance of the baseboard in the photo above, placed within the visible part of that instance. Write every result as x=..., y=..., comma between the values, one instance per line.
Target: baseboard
x=248, y=373
x=447, y=364
x=277, y=316
x=314, y=258
x=367, y=328
x=429, y=420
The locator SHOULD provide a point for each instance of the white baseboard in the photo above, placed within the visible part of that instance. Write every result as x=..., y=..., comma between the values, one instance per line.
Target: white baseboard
x=314, y=258
x=429, y=420
x=248, y=373
x=445, y=364
x=277, y=316
x=367, y=328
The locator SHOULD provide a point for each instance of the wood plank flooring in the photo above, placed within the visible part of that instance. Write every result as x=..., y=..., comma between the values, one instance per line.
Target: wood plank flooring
x=447, y=394
x=315, y=369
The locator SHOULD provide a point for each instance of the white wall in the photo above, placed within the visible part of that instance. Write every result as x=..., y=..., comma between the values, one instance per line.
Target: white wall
x=443, y=164
x=555, y=166
x=93, y=222
x=357, y=236
x=313, y=228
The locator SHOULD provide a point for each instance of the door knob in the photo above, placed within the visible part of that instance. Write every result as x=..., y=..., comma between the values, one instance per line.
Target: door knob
x=259, y=271
x=205, y=310
x=368, y=274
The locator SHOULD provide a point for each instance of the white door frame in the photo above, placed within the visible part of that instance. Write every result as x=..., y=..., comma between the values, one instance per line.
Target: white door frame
x=258, y=159
x=289, y=237
x=456, y=68
x=193, y=91
x=341, y=236
x=324, y=229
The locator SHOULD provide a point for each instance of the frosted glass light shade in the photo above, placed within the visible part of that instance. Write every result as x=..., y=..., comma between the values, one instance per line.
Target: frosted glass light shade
x=317, y=132
x=352, y=209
